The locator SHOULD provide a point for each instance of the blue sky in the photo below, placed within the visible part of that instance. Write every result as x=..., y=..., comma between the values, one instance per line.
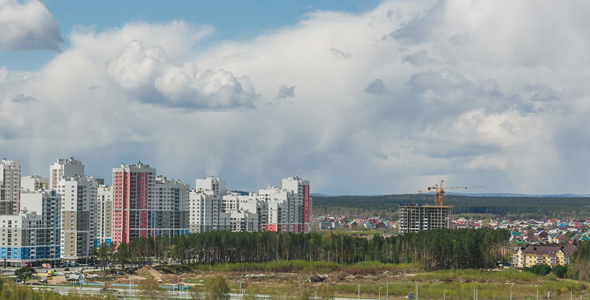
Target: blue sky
x=232, y=20
x=360, y=97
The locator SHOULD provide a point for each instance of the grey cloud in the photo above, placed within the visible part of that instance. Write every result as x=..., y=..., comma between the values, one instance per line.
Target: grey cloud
x=339, y=53
x=286, y=92
x=419, y=59
x=28, y=25
x=376, y=87
x=421, y=27
x=541, y=92
x=438, y=81
x=22, y=98
x=453, y=150
x=96, y=89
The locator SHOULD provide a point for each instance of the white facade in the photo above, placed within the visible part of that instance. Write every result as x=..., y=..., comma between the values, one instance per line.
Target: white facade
x=34, y=183
x=10, y=176
x=170, y=207
x=285, y=209
x=23, y=239
x=205, y=206
x=78, y=216
x=46, y=205
x=104, y=215
x=64, y=167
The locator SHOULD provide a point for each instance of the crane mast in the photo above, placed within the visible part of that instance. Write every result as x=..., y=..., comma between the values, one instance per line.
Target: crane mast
x=439, y=191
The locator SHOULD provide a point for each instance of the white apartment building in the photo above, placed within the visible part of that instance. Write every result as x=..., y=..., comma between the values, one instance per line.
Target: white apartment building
x=78, y=216
x=170, y=207
x=62, y=168
x=10, y=176
x=23, y=240
x=46, y=206
x=285, y=209
x=34, y=183
x=104, y=215
x=205, y=206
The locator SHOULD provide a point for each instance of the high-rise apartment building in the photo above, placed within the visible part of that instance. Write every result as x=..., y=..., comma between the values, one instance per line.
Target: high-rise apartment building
x=44, y=207
x=285, y=209
x=205, y=206
x=169, y=207
x=10, y=176
x=24, y=240
x=418, y=217
x=104, y=215
x=78, y=216
x=300, y=206
x=34, y=183
x=132, y=186
x=145, y=205
x=64, y=167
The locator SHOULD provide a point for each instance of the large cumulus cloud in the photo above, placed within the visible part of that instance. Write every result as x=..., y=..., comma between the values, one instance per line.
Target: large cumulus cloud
x=150, y=77
x=391, y=100
x=28, y=25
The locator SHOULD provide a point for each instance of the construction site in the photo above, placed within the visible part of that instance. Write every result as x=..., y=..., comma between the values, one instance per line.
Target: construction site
x=419, y=217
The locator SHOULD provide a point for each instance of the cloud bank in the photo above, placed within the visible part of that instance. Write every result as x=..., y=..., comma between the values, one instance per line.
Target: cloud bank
x=388, y=101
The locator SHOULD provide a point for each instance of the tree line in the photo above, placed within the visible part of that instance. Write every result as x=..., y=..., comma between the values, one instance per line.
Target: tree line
x=516, y=207
x=437, y=249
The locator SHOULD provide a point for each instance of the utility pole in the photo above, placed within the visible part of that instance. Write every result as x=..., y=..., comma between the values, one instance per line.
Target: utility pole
x=387, y=291
x=359, y=289
x=416, y=290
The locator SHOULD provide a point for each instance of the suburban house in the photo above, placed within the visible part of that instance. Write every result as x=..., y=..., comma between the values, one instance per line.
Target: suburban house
x=550, y=254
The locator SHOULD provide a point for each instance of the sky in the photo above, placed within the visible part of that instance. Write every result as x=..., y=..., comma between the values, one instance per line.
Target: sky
x=360, y=97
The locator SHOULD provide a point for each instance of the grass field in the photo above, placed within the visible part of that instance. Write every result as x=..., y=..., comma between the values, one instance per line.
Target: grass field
x=288, y=279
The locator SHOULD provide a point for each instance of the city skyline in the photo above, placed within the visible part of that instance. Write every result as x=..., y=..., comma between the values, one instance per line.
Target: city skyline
x=69, y=213
x=359, y=97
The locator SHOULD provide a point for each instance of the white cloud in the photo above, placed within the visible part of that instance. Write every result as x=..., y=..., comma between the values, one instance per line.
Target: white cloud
x=473, y=92
x=150, y=77
x=28, y=25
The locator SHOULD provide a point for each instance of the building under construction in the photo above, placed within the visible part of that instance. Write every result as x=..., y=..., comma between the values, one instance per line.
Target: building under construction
x=418, y=217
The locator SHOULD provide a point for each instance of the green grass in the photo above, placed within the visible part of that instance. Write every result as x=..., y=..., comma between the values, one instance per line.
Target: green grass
x=470, y=275
x=301, y=266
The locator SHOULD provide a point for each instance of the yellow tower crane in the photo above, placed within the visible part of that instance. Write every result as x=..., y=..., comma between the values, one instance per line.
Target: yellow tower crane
x=439, y=191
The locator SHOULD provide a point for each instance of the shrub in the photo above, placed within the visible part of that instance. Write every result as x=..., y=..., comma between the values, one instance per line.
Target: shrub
x=559, y=271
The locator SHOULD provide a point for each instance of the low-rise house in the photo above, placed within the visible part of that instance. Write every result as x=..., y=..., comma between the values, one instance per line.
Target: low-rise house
x=549, y=254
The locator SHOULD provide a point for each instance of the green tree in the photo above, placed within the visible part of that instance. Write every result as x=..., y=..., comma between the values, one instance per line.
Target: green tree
x=122, y=254
x=24, y=273
x=560, y=271
x=149, y=289
x=217, y=289
x=103, y=254
x=540, y=270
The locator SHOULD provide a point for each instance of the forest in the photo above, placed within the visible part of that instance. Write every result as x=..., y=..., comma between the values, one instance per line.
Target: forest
x=438, y=249
x=579, y=267
x=508, y=207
